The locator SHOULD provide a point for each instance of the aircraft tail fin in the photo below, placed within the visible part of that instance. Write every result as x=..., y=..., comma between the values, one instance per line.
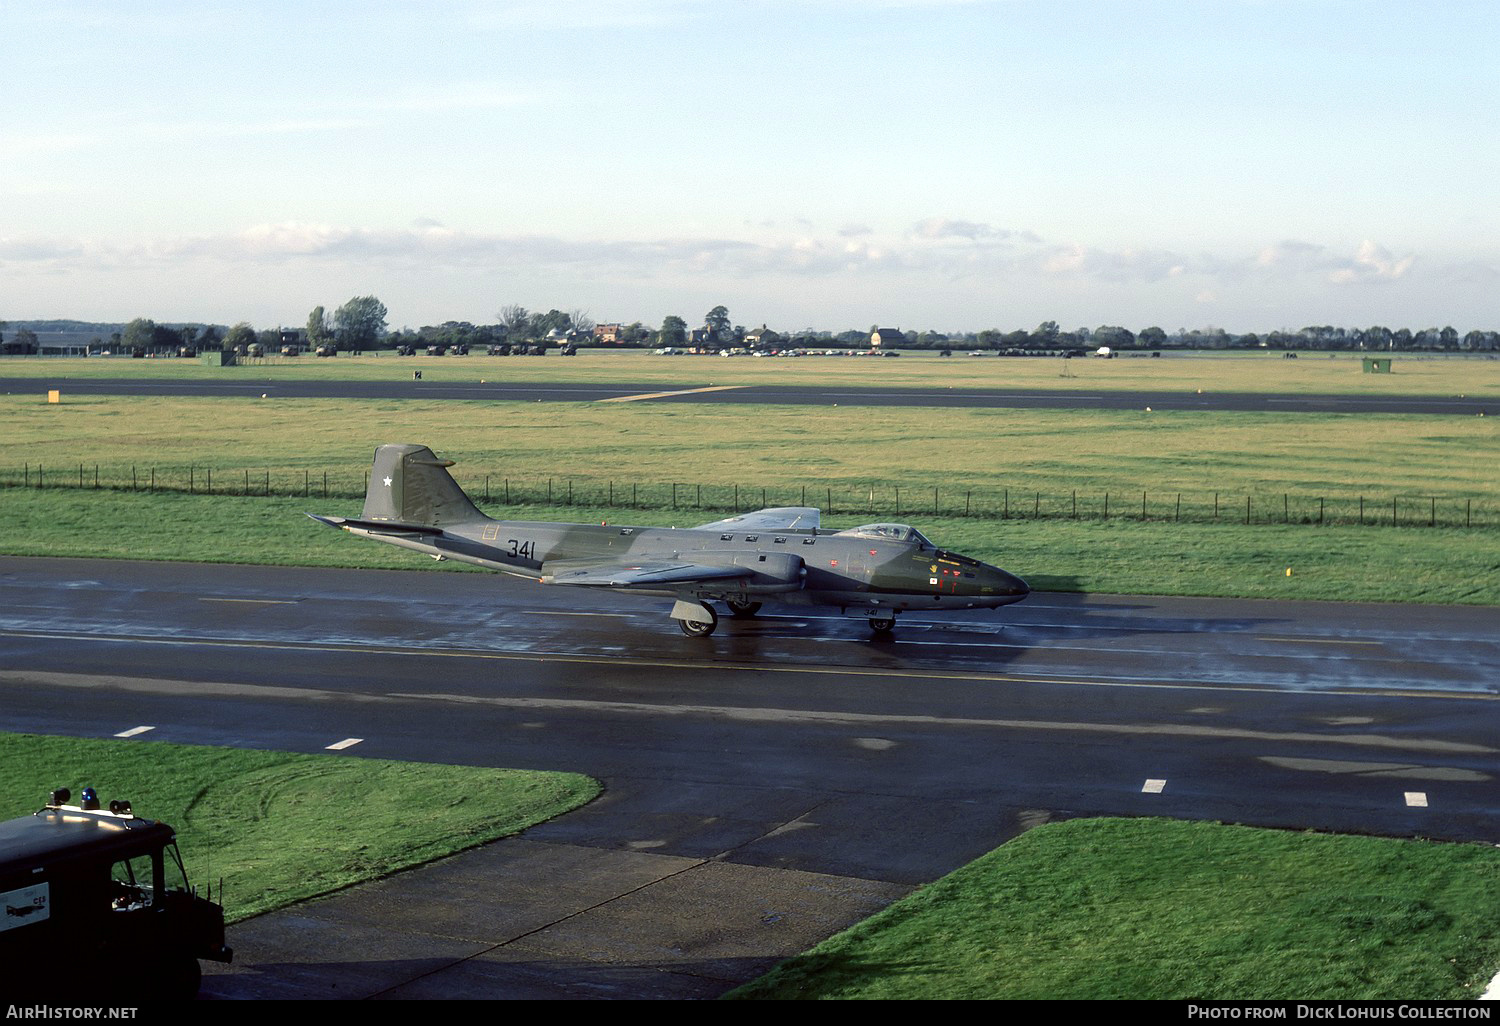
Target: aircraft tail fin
x=410, y=485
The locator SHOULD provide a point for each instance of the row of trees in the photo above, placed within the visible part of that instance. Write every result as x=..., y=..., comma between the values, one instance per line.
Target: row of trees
x=361, y=324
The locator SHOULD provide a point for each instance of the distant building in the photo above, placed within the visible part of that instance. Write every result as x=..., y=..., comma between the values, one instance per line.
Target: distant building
x=889, y=338
x=610, y=334
x=754, y=337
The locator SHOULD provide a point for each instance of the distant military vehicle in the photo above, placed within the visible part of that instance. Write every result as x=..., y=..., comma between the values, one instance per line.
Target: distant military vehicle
x=101, y=896
x=877, y=570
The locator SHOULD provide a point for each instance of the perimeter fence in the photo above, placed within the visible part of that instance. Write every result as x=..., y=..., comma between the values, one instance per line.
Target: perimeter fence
x=879, y=501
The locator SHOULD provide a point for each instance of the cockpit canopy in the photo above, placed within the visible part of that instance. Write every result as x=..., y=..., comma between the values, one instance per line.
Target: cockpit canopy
x=903, y=533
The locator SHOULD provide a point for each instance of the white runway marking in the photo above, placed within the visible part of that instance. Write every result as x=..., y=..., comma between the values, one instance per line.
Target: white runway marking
x=339, y=746
x=133, y=731
x=666, y=395
x=1153, y=787
x=1416, y=799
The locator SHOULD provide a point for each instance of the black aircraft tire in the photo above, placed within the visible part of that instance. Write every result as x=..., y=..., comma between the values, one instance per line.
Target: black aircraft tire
x=698, y=628
x=882, y=624
x=742, y=608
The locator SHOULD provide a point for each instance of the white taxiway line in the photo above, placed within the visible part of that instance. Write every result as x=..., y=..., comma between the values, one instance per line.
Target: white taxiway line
x=339, y=746
x=133, y=731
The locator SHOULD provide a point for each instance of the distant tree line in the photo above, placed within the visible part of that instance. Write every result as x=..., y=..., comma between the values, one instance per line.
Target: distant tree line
x=360, y=324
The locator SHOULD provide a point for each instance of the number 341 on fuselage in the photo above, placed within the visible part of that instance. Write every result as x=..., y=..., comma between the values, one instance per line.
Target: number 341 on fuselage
x=877, y=570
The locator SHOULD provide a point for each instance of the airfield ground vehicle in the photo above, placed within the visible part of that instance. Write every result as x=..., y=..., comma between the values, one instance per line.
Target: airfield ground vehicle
x=101, y=892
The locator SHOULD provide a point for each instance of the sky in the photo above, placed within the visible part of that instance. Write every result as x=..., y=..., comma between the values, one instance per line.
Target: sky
x=946, y=165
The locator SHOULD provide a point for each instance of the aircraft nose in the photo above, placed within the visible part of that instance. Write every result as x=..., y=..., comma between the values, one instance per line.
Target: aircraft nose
x=1007, y=585
x=1013, y=585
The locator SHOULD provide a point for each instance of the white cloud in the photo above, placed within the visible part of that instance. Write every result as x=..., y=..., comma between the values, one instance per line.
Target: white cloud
x=1371, y=262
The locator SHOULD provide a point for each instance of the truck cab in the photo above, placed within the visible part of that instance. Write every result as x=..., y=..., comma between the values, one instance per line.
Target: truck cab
x=102, y=892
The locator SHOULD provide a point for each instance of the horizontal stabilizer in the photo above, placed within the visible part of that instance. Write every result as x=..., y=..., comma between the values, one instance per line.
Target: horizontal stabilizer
x=378, y=526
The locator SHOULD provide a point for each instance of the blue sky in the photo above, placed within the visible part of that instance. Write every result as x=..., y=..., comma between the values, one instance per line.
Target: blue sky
x=828, y=163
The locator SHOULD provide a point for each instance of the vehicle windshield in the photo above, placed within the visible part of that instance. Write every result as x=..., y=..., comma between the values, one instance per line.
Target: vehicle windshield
x=888, y=532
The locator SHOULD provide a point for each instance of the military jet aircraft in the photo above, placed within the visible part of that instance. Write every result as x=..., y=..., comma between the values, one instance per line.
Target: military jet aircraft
x=876, y=571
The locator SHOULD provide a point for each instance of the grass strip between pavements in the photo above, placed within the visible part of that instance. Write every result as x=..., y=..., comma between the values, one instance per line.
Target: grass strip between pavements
x=281, y=827
x=1166, y=910
x=1294, y=561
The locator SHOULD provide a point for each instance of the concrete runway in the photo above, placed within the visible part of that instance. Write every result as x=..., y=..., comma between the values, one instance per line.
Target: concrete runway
x=779, y=394
x=765, y=786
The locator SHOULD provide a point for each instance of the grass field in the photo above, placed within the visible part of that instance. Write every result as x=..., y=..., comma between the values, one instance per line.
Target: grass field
x=279, y=827
x=1153, y=909
x=881, y=462
x=1439, y=375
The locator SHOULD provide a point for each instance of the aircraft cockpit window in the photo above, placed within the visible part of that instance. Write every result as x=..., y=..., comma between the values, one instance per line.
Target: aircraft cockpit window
x=726, y=537
x=808, y=541
x=889, y=532
x=627, y=530
x=780, y=541
x=752, y=537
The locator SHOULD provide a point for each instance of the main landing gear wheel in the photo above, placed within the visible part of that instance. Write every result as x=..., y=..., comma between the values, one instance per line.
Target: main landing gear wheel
x=882, y=624
x=742, y=608
x=698, y=628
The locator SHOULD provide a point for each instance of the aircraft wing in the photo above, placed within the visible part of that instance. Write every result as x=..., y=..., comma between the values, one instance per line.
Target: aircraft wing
x=781, y=518
x=618, y=573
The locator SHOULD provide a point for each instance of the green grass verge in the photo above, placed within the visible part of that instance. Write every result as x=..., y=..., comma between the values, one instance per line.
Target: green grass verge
x=1123, y=556
x=1157, y=909
x=281, y=827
